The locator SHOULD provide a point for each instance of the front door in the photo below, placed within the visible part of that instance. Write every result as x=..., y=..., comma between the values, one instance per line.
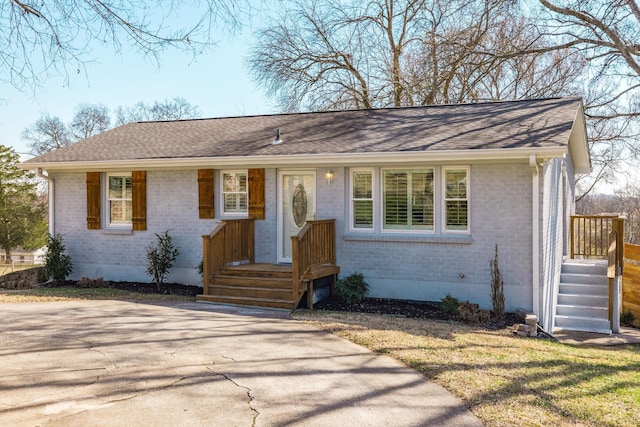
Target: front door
x=297, y=204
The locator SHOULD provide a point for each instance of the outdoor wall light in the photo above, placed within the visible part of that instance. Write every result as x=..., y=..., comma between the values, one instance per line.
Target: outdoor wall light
x=329, y=176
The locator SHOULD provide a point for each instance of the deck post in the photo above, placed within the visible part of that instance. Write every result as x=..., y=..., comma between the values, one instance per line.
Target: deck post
x=206, y=264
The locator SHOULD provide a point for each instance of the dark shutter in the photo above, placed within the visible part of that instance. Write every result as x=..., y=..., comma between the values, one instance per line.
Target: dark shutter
x=206, y=194
x=256, y=193
x=93, y=200
x=139, y=199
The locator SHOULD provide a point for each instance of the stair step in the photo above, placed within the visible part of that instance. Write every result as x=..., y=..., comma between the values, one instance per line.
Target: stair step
x=584, y=279
x=583, y=311
x=583, y=289
x=249, y=281
x=582, y=267
x=250, y=291
x=254, y=302
x=582, y=323
x=583, y=300
x=255, y=270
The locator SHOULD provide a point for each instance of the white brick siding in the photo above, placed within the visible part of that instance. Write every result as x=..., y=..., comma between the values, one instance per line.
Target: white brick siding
x=396, y=266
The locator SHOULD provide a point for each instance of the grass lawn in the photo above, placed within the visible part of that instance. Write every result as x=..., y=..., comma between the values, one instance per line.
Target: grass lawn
x=504, y=380
x=70, y=294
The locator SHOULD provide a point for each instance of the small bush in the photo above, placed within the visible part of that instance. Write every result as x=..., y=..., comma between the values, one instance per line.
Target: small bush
x=160, y=257
x=352, y=289
x=497, y=287
x=469, y=312
x=450, y=304
x=57, y=264
x=627, y=317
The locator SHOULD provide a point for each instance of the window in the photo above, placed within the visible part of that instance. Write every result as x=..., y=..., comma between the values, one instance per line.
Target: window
x=456, y=201
x=362, y=199
x=234, y=192
x=408, y=199
x=119, y=200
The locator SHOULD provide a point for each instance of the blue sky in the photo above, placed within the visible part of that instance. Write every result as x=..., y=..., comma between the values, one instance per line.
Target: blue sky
x=217, y=82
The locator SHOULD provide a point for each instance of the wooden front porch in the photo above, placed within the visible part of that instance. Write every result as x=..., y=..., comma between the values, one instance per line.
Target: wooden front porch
x=231, y=275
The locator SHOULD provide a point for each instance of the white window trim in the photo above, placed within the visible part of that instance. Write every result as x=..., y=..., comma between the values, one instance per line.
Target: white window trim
x=439, y=226
x=106, y=205
x=443, y=200
x=374, y=193
x=223, y=214
x=435, y=201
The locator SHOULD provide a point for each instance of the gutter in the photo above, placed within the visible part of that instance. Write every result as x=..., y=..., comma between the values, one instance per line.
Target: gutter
x=312, y=159
x=535, y=239
x=51, y=182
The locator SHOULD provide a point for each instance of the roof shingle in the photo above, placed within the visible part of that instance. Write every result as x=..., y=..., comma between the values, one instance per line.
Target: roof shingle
x=541, y=123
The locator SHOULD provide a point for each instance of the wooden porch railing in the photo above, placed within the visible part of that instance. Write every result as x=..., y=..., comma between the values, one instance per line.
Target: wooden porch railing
x=314, y=246
x=230, y=241
x=591, y=235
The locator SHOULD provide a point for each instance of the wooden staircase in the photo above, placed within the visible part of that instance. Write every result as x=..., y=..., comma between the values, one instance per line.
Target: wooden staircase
x=263, y=285
x=231, y=275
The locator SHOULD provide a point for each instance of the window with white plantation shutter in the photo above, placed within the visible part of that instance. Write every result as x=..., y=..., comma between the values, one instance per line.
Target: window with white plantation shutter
x=362, y=199
x=234, y=192
x=456, y=202
x=408, y=200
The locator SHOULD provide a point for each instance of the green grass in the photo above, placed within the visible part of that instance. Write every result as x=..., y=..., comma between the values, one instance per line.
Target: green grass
x=503, y=379
x=75, y=294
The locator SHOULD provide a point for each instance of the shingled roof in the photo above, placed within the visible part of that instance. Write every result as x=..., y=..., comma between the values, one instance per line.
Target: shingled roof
x=530, y=124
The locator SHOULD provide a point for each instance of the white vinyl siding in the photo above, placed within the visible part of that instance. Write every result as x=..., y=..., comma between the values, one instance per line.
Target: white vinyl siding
x=119, y=205
x=234, y=192
x=408, y=199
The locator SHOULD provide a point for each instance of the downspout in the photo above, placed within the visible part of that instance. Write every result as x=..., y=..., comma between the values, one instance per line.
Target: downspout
x=51, y=182
x=535, y=239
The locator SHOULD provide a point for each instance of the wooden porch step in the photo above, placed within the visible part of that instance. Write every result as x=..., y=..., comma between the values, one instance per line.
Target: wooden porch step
x=250, y=292
x=254, y=302
x=249, y=281
x=257, y=270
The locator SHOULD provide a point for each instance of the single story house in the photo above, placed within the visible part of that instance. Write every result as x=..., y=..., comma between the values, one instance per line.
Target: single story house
x=417, y=198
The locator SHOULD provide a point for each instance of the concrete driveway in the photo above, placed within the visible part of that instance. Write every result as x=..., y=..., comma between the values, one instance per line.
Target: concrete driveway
x=109, y=363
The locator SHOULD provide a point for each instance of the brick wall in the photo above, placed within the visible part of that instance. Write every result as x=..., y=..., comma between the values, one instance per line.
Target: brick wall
x=172, y=204
x=404, y=266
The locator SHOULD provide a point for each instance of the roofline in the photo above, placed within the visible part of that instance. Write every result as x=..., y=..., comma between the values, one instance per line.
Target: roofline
x=344, y=159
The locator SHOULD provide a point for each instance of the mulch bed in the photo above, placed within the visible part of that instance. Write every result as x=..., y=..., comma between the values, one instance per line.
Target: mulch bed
x=143, y=288
x=412, y=309
x=390, y=307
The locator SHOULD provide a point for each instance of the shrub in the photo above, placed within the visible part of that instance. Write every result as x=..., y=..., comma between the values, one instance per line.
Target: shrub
x=450, y=304
x=160, y=257
x=352, y=289
x=57, y=264
x=469, y=312
x=627, y=317
x=497, y=287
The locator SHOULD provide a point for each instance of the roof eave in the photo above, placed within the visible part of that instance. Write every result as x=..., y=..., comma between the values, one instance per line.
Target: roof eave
x=345, y=159
x=579, y=144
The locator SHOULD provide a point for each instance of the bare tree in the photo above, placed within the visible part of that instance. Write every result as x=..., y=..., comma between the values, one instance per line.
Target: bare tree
x=46, y=134
x=50, y=133
x=607, y=34
x=169, y=109
x=89, y=120
x=58, y=36
x=350, y=54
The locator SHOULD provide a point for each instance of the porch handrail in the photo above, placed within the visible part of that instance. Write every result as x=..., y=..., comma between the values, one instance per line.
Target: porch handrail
x=230, y=241
x=590, y=235
x=315, y=245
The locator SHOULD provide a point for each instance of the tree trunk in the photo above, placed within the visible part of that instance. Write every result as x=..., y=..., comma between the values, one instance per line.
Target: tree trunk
x=7, y=255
